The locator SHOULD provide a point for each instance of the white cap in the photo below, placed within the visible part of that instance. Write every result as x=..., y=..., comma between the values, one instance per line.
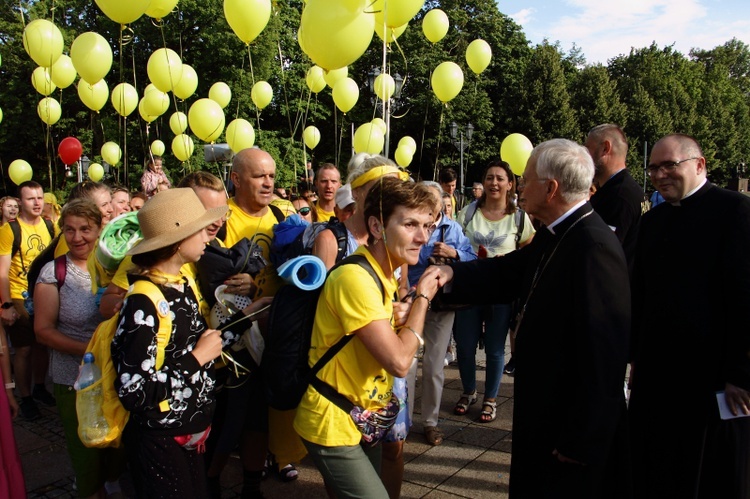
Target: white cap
x=344, y=196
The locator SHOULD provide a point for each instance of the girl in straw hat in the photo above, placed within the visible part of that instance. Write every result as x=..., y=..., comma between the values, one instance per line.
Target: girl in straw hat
x=170, y=408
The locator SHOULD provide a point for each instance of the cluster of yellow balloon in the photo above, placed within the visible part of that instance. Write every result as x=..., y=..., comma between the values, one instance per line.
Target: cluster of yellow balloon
x=404, y=154
x=345, y=94
x=378, y=122
x=435, y=25
x=333, y=75
x=111, y=153
x=206, y=119
x=19, y=171
x=478, y=55
x=261, y=94
x=311, y=136
x=247, y=18
x=515, y=149
x=447, y=81
x=369, y=138
x=240, y=135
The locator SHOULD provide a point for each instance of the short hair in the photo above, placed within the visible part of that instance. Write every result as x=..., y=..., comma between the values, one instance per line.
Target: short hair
x=368, y=164
x=202, y=179
x=568, y=163
x=118, y=188
x=392, y=192
x=81, y=207
x=29, y=184
x=688, y=144
x=138, y=195
x=479, y=185
x=85, y=189
x=326, y=166
x=613, y=133
x=447, y=175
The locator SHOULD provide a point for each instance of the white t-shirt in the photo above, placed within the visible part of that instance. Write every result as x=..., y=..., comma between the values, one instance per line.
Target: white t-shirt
x=498, y=237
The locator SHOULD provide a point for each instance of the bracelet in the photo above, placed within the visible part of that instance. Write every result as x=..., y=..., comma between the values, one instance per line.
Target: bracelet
x=419, y=337
x=421, y=295
x=10, y=385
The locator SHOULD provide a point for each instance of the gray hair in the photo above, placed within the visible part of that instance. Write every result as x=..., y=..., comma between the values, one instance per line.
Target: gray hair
x=568, y=163
x=613, y=133
x=433, y=184
x=366, y=165
x=356, y=161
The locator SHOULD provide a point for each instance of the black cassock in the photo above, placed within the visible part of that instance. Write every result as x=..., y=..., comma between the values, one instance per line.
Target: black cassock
x=691, y=292
x=571, y=354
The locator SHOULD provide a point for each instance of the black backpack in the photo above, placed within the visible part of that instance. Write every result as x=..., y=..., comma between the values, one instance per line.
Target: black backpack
x=292, y=239
x=284, y=366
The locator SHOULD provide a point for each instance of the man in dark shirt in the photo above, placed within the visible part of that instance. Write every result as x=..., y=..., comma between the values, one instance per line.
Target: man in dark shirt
x=619, y=200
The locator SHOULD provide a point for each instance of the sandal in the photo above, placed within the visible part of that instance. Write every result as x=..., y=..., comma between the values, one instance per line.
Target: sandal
x=433, y=435
x=288, y=473
x=488, y=416
x=462, y=406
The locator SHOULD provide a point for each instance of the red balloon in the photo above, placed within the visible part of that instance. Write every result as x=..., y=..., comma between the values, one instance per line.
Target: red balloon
x=70, y=150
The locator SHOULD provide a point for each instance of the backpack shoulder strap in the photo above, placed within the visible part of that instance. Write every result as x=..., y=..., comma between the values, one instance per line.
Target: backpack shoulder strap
x=50, y=227
x=520, y=220
x=339, y=230
x=148, y=288
x=470, y=212
x=61, y=270
x=16, y=229
x=277, y=212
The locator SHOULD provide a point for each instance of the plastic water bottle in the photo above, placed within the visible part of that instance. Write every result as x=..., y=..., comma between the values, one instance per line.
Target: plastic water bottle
x=28, y=302
x=94, y=427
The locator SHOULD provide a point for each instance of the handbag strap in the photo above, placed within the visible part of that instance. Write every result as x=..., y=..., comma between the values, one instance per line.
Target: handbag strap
x=332, y=395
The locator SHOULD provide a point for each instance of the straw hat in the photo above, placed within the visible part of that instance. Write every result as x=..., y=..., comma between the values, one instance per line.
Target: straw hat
x=171, y=216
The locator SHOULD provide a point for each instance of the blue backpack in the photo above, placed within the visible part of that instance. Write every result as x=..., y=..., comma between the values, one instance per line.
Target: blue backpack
x=295, y=237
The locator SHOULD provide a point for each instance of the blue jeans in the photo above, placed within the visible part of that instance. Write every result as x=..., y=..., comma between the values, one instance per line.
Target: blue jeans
x=467, y=333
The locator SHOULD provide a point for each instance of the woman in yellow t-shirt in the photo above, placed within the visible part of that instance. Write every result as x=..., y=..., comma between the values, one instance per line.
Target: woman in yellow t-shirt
x=399, y=217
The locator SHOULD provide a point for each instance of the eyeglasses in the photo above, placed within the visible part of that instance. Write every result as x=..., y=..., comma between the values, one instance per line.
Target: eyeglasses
x=226, y=215
x=304, y=211
x=666, y=166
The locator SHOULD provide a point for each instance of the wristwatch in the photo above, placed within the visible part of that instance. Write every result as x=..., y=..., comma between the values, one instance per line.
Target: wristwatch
x=7, y=305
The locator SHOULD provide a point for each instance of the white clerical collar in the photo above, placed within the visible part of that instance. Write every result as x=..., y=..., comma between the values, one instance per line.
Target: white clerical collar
x=677, y=203
x=565, y=215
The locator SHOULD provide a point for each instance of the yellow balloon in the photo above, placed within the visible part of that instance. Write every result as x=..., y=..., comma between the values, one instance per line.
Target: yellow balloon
x=43, y=41
x=91, y=55
x=396, y=12
x=1, y=115
x=94, y=96
x=178, y=122
x=206, y=119
x=335, y=33
x=111, y=153
x=247, y=18
x=345, y=94
x=262, y=94
x=407, y=142
x=478, y=55
x=185, y=88
x=155, y=103
x=160, y=8
x=182, y=147
x=150, y=88
x=435, y=25
x=144, y=115
x=157, y=148
x=334, y=75
x=42, y=82
x=220, y=93
x=123, y=12
x=315, y=79
x=49, y=110
x=380, y=124
x=447, y=81
x=164, y=69
x=384, y=86
x=403, y=156
x=96, y=171
x=240, y=135
x=386, y=33
x=124, y=99
x=311, y=136
x=515, y=150
x=19, y=171
x=368, y=138
x=62, y=72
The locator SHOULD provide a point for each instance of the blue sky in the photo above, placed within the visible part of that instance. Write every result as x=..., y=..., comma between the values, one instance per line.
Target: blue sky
x=607, y=29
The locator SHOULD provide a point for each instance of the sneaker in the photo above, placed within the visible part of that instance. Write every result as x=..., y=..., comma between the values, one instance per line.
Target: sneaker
x=29, y=410
x=40, y=394
x=510, y=366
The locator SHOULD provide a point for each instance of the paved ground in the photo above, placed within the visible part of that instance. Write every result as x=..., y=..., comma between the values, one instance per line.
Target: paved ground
x=472, y=462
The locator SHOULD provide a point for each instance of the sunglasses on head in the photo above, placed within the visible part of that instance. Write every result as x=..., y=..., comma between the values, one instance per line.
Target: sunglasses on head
x=304, y=211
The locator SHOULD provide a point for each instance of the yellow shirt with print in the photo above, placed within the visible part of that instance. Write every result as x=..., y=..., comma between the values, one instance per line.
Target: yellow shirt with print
x=323, y=216
x=260, y=231
x=34, y=238
x=349, y=301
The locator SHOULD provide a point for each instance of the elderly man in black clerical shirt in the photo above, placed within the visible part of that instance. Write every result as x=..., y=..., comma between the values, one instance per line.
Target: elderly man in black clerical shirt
x=691, y=289
x=572, y=334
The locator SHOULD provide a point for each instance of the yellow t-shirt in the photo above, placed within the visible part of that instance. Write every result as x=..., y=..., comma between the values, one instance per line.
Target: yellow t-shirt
x=323, y=216
x=34, y=238
x=62, y=247
x=353, y=371
x=259, y=230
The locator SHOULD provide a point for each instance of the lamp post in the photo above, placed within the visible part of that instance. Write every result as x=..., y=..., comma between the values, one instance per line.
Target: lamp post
x=457, y=137
x=387, y=104
x=83, y=166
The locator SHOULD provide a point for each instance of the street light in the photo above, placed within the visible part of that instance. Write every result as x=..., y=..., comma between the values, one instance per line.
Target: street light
x=387, y=104
x=457, y=137
x=83, y=166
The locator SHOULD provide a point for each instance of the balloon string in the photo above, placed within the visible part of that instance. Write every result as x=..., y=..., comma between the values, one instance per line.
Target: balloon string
x=283, y=87
x=242, y=82
x=437, y=148
x=125, y=153
x=252, y=81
